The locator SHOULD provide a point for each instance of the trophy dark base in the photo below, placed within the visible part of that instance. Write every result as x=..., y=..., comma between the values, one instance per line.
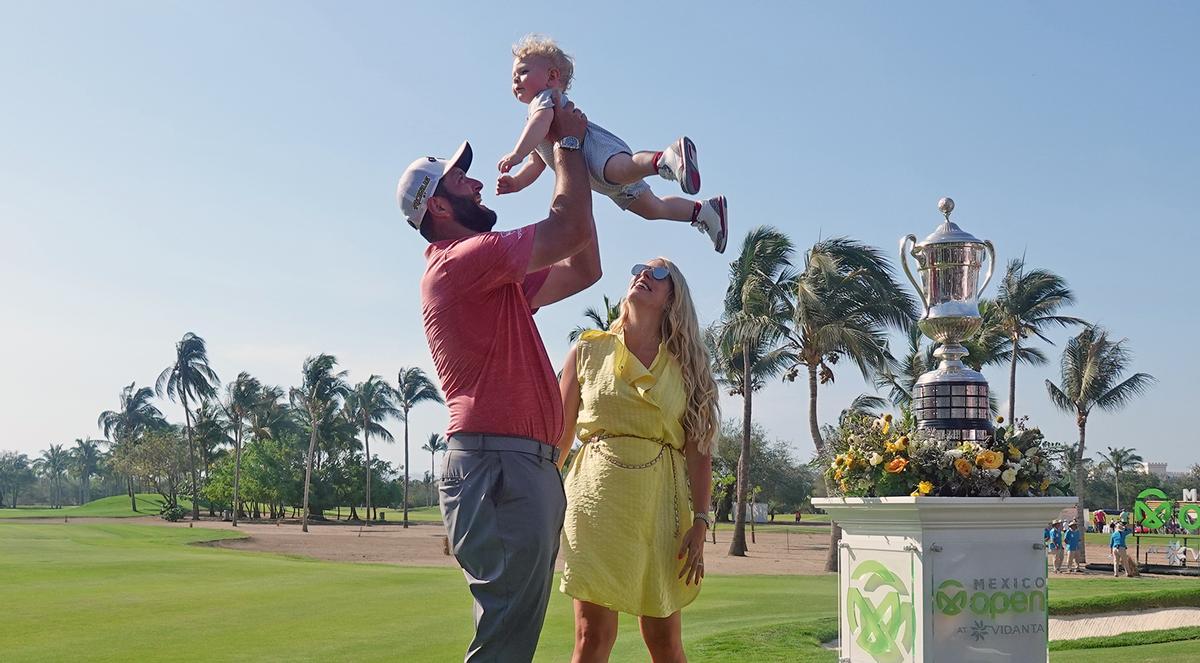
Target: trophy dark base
x=958, y=430
x=956, y=411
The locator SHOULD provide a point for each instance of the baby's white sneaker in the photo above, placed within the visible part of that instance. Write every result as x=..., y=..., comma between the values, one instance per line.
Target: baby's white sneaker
x=678, y=162
x=712, y=219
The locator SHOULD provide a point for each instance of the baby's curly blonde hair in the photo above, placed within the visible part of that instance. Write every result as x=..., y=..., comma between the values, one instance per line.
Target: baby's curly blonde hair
x=545, y=47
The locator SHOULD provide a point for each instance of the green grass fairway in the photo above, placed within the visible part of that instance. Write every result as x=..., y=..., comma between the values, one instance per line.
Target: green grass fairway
x=134, y=592
x=107, y=507
x=1165, y=652
x=118, y=592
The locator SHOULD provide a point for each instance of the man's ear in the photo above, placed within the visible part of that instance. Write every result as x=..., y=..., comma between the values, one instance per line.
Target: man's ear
x=438, y=207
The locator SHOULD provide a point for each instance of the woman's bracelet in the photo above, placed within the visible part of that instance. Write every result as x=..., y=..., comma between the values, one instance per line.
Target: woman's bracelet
x=703, y=516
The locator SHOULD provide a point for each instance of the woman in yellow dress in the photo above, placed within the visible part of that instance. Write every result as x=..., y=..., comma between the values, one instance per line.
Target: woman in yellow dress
x=642, y=399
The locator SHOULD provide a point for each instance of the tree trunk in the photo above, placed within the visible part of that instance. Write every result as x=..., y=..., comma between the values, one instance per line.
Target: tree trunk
x=1117, y=486
x=737, y=545
x=1080, y=477
x=814, y=429
x=406, y=468
x=132, y=499
x=312, y=447
x=207, y=476
x=367, y=446
x=187, y=418
x=237, y=467
x=432, y=475
x=1012, y=385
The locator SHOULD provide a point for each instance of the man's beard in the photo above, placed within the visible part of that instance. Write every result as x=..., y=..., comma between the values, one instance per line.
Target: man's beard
x=471, y=214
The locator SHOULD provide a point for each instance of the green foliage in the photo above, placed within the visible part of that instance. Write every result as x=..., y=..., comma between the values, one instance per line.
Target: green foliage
x=786, y=483
x=171, y=512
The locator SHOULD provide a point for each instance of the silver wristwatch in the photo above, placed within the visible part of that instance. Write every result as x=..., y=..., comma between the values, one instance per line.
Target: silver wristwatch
x=570, y=143
x=703, y=515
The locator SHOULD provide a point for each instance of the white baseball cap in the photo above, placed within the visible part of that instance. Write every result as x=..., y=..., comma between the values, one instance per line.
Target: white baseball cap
x=421, y=178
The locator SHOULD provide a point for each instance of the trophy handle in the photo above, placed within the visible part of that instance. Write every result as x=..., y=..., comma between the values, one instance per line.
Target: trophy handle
x=991, y=267
x=904, y=253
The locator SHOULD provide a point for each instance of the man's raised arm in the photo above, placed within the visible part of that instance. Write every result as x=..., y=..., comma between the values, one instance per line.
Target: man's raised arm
x=566, y=239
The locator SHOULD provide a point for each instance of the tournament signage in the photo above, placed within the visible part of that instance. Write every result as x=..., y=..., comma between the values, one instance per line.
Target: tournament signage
x=942, y=579
x=879, y=610
x=1152, y=509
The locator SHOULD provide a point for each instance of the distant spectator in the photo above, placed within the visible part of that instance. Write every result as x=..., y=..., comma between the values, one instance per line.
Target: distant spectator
x=1056, y=545
x=1099, y=519
x=1071, y=539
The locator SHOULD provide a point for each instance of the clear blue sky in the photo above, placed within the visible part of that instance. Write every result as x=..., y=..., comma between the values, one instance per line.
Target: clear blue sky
x=229, y=168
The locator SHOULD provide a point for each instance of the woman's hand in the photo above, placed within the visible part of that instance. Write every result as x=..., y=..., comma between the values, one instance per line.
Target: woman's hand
x=693, y=548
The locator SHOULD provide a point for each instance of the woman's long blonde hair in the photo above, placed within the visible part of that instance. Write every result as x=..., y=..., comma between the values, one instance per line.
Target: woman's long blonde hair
x=681, y=335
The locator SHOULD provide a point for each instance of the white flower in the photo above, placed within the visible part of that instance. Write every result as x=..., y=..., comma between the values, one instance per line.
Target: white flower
x=954, y=453
x=991, y=474
x=876, y=458
x=1009, y=476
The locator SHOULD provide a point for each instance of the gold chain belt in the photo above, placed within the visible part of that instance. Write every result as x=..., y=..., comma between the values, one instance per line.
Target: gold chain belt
x=663, y=446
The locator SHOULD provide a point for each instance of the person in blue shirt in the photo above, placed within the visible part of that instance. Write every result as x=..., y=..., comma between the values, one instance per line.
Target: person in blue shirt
x=1120, y=551
x=1071, y=539
x=1056, y=545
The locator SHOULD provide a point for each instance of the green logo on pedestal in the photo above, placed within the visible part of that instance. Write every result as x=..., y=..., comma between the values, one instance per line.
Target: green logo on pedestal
x=884, y=630
x=951, y=597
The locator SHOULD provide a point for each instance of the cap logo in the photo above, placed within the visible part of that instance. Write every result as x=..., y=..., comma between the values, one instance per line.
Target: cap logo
x=431, y=159
x=419, y=197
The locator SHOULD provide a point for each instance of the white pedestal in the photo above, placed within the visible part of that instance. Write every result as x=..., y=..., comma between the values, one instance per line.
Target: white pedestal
x=945, y=579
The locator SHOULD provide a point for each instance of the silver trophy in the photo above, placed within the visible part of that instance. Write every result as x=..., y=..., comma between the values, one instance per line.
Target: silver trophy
x=951, y=400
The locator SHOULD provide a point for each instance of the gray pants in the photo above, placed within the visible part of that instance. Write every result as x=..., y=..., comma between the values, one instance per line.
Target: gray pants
x=502, y=502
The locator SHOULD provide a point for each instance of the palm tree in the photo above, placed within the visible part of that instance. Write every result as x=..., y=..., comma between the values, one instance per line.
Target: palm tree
x=241, y=396
x=209, y=432
x=85, y=459
x=745, y=340
x=1121, y=459
x=52, y=464
x=368, y=404
x=320, y=393
x=434, y=446
x=412, y=388
x=1091, y=368
x=597, y=320
x=189, y=377
x=845, y=299
x=1026, y=304
x=125, y=425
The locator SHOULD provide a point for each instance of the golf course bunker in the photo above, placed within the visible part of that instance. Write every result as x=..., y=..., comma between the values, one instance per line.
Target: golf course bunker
x=1073, y=627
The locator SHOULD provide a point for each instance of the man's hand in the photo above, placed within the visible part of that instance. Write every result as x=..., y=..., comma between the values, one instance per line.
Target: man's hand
x=508, y=161
x=507, y=184
x=568, y=121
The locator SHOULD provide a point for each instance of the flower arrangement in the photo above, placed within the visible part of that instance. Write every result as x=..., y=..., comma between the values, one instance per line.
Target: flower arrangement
x=875, y=457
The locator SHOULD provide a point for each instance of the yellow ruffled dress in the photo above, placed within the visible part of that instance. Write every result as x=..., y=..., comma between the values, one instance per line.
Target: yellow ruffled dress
x=628, y=503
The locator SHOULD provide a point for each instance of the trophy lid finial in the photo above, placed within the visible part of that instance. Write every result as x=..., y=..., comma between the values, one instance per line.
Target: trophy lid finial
x=946, y=206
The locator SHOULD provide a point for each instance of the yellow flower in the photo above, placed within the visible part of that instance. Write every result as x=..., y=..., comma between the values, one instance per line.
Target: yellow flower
x=896, y=465
x=989, y=460
x=886, y=424
x=963, y=466
x=876, y=458
x=999, y=420
x=925, y=487
x=1013, y=452
x=1045, y=484
x=902, y=443
x=837, y=474
x=843, y=486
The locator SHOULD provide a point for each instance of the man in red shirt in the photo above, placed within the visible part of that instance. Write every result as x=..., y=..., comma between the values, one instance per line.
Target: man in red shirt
x=501, y=494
